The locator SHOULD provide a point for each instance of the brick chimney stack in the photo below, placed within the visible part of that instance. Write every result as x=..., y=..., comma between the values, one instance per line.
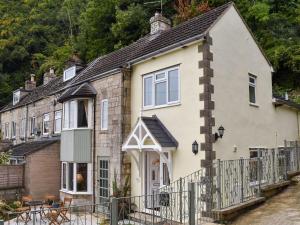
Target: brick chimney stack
x=159, y=23
x=48, y=76
x=30, y=84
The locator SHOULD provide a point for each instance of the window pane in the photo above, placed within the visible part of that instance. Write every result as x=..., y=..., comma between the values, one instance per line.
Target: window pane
x=82, y=113
x=161, y=93
x=57, y=121
x=64, y=174
x=66, y=115
x=103, y=179
x=81, y=177
x=46, y=124
x=252, y=94
x=160, y=76
x=72, y=114
x=71, y=177
x=148, y=82
x=104, y=115
x=173, y=90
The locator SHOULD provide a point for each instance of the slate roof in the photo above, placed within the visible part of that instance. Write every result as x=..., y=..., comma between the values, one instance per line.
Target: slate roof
x=37, y=93
x=151, y=44
x=28, y=148
x=83, y=90
x=160, y=132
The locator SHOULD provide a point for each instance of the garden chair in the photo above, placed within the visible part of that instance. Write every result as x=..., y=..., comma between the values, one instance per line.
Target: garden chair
x=23, y=212
x=66, y=206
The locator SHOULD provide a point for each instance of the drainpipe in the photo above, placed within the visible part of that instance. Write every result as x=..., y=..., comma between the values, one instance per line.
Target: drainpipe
x=94, y=151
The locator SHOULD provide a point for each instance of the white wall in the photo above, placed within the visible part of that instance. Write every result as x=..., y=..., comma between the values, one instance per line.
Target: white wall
x=235, y=55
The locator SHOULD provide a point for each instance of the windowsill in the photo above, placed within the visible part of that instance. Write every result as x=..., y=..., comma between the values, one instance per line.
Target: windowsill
x=80, y=128
x=75, y=193
x=161, y=106
x=254, y=105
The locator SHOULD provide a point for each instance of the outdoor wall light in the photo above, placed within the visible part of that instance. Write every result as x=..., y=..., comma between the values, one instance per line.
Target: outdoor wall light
x=195, y=147
x=220, y=133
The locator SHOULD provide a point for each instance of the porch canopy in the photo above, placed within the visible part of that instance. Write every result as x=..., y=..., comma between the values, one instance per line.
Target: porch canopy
x=149, y=134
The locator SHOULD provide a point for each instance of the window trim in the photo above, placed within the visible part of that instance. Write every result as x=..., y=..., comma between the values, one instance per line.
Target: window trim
x=23, y=128
x=32, y=128
x=13, y=129
x=108, y=175
x=6, y=130
x=72, y=69
x=254, y=85
x=89, y=179
x=101, y=114
x=55, y=119
x=44, y=123
x=155, y=81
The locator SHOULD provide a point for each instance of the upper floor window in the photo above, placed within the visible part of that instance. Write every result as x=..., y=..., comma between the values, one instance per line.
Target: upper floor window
x=22, y=128
x=161, y=88
x=13, y=129
x=252, y=89
x=69, y=73
x=57, y=123
x=104, y=114
x=32, y=126
x=16, y=97
x=77, y=113
x=6, y=130
x=46, y=123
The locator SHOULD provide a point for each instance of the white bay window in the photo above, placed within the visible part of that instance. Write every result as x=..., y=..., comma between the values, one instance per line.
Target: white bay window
x=161, y=88
x=76, y=177
x=77, y=114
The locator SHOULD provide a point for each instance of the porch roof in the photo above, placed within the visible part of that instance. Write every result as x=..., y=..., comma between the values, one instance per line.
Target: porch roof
x=150, y=133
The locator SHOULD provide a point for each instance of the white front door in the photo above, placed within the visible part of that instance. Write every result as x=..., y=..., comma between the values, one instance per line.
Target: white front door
x=152, y=178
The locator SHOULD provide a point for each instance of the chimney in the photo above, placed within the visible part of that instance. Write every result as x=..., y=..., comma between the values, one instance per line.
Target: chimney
x=30, y=84
x=48, y=76
x=159, y=23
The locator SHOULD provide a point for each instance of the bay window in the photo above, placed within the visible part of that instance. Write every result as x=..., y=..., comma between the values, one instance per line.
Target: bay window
x=76, y=177
x=77, y=113
x=46, y=123
x=161, y=88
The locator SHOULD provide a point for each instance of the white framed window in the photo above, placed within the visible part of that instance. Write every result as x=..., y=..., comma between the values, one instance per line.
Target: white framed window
x=77, y=113
x=46, y=123
x=13, y=129
x=76, y=177
x=161, y=88
x=252, y=89
x=57, y=122
x=32, y=126
x=103, y=165
x=16, y=97
x=6, y=130
x=22, y=128
x=104, y=114
x=69, y=73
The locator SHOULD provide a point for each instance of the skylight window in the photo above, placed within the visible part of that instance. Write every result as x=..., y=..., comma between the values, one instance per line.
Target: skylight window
x=16, y=97
x=69, y=73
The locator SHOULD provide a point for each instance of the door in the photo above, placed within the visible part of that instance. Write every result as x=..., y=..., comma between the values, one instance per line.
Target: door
x=152, y=179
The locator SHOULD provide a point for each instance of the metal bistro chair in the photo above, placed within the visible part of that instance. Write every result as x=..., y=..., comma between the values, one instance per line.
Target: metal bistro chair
x=66, y=206
x=57, y=216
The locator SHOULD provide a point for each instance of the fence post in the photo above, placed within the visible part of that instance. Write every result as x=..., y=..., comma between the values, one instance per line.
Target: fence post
x=219, y=184
x=259, y=169
x=180, y=199
x=191, y=203
x=273, y=166
x=242, y=178
x=114, y=211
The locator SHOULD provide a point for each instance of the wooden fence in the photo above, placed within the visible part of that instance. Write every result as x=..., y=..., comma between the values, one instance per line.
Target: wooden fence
x=11, y=176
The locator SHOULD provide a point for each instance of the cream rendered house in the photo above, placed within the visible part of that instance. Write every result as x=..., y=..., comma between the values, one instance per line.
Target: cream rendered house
x=208, y=74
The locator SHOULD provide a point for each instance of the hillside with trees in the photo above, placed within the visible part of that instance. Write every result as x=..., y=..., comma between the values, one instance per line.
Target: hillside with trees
x=38, y=34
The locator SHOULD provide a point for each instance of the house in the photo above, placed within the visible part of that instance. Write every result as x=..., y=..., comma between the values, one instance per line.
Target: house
x=163, y=107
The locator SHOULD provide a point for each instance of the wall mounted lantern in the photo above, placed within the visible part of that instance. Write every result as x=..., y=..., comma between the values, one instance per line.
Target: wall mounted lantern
x=220, y=133
x=195, y=147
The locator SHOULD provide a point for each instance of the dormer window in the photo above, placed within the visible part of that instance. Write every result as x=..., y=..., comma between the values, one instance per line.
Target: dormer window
x=69, y=73
x=16, y=97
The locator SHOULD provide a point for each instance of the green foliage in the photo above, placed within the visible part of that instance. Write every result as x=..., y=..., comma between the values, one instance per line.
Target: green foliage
x=4, y=158
x=38, y=34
